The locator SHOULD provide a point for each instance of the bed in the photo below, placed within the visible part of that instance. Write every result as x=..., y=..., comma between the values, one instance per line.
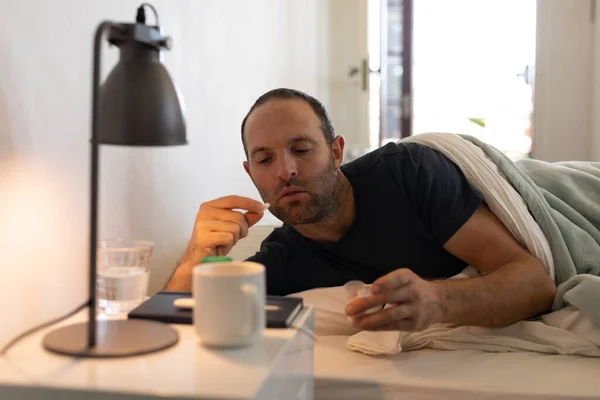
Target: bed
x=435, y=374
x=458, y=374
x=340, y=373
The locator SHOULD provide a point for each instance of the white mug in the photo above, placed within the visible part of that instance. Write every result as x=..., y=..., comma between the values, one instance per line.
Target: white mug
x=229, y=303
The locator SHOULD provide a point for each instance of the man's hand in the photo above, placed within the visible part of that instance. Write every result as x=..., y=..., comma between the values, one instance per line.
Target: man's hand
x=217, y=229
x=414, y=304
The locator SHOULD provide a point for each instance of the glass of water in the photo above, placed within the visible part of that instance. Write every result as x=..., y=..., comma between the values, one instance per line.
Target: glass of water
x=123, y=269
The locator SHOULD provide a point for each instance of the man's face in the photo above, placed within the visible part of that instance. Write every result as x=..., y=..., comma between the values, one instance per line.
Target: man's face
x=290, y=162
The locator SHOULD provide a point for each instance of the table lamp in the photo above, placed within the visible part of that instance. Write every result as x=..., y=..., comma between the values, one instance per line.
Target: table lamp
x=138, y=105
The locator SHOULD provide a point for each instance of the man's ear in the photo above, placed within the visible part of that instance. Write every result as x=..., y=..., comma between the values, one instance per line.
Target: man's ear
x=247, y=168
x=337, y=148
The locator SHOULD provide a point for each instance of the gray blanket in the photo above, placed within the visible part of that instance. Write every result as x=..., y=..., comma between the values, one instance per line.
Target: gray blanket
x=564, y=199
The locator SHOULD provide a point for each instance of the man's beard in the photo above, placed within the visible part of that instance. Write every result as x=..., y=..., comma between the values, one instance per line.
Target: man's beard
x=323, y=200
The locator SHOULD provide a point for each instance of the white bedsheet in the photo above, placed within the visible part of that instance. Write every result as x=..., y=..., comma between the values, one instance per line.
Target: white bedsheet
x=566, y=331
x=459, y=374
x=438, y=374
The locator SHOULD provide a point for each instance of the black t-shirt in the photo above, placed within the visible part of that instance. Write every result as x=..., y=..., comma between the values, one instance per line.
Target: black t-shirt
x=409, y=200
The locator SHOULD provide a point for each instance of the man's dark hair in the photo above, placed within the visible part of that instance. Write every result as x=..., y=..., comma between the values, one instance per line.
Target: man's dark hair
x=290, y=94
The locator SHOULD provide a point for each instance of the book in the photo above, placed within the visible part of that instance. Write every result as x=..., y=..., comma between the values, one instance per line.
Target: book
x=280, y=311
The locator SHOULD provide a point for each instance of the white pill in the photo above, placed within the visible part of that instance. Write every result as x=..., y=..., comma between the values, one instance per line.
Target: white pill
x=185, y=303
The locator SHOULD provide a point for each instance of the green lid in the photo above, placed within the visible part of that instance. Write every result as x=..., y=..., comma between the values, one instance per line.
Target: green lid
x=213, y=259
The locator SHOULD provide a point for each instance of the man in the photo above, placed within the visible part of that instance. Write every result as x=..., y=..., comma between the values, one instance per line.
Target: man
x=403, y=217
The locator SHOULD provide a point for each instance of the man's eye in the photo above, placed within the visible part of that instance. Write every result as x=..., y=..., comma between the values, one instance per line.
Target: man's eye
x=264, y=160
x=301, y=151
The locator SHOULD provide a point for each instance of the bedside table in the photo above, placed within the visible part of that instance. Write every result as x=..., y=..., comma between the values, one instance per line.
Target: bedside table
x=279, y=367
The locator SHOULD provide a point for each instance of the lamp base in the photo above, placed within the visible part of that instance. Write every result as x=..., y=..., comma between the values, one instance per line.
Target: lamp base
x=115, y=338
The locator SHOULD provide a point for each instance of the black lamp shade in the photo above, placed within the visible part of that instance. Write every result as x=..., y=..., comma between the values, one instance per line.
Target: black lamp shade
x=139, y=103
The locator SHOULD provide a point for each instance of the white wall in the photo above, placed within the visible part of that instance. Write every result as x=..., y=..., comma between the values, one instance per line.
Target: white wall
x=225, y=55
x=562, y=123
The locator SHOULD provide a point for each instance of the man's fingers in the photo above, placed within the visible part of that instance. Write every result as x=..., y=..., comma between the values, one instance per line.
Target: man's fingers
x=224, y=239
x=404, y=294
x=237, y=202
x=360, y=304
x=252, y=218
x=393, y=280
x=229, y=216
x=382, y=318
x=224, y=226
x=218, y=225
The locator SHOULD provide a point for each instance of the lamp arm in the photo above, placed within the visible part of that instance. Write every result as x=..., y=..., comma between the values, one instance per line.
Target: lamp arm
x=102, y=28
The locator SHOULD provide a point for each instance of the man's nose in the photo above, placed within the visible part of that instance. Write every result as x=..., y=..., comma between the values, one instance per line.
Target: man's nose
x=287, y=167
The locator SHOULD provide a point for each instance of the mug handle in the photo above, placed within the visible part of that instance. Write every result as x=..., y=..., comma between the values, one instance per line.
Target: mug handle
x=252, y=298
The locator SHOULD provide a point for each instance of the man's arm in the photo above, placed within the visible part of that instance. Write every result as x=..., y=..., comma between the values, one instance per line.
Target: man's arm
x=513, y=285
x=513, y=293
x=180, y=280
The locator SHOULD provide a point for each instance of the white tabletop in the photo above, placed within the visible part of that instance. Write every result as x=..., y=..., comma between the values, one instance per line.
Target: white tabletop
x=185, y=370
